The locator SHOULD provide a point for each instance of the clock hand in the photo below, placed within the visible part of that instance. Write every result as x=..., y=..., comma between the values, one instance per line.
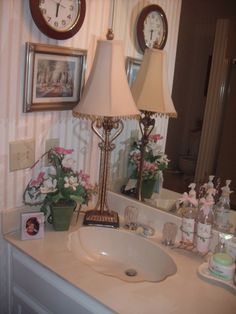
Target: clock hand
x=61, y=4
x=58, y=3
x=151, y=31
x=58, y=6
x=57, y=9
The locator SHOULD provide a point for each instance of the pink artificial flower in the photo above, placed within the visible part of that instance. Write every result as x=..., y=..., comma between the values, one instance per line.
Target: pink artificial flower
x=135, y=157
x=84, y=178
x=148, y=166
x=68, y=163
x=63, y=151
x=155, y=137
x=38, y=180
x=71, y=182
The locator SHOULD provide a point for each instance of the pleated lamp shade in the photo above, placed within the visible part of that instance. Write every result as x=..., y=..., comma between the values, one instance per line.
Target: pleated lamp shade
x=107, y=93
x=150, y=88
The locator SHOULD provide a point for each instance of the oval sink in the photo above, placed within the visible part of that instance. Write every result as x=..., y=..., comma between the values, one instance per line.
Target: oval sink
x=121, y=253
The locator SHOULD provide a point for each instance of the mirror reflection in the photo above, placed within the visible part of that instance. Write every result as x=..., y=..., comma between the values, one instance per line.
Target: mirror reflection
x=197, y=61
x=193, y=153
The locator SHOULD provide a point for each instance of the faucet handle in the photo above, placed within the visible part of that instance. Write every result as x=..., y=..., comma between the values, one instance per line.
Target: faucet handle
x=144, y=230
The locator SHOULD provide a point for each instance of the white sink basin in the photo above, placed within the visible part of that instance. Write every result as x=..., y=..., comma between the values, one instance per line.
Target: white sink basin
x=121, y=253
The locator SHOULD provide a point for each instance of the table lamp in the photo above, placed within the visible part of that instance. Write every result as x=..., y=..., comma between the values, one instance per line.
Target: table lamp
x=106, y=100
x=151, y=94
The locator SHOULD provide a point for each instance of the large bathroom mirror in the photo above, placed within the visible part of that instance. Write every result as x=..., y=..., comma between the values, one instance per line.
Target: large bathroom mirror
x=202, y=24
x=196, y=41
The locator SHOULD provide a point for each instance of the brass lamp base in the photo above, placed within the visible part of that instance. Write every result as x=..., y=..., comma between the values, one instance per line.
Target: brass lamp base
x=105, y=219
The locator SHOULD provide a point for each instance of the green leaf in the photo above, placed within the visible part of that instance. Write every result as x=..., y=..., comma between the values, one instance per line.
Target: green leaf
x=44, y=209
x=79, y=199
x=57, y=197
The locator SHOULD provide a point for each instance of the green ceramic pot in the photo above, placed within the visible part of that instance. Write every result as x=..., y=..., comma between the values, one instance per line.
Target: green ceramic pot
x=62, y=214
x=148, y=188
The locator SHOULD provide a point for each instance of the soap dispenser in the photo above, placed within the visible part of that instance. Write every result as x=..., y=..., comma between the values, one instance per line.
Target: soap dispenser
x=189, y=215
x=221, y=245
x=222, y=209
x=205, y=221
x=210, y=184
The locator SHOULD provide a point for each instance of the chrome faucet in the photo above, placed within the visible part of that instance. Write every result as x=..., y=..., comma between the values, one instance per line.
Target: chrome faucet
x=142, y=229
x=131, y=222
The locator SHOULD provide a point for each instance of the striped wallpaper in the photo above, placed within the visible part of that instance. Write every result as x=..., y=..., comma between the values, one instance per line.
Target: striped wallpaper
x=16, y=28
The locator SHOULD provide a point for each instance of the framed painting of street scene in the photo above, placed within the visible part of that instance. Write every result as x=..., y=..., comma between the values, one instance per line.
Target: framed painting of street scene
x=132, y=67
x=54, y=77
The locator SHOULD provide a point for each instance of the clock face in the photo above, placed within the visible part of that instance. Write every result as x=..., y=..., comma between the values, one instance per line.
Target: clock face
x=152, y=27
x=58, y=19
x=60, y=15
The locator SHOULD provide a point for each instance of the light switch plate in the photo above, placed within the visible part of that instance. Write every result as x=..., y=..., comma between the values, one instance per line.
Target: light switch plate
x=21, y=154
x=50, y=143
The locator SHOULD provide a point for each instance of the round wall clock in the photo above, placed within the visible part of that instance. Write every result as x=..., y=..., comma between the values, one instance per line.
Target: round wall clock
x=152, y=27
x=58, y=19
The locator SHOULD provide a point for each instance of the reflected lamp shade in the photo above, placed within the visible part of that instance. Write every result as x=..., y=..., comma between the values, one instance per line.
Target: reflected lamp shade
x=150, y=88
x=107, y=93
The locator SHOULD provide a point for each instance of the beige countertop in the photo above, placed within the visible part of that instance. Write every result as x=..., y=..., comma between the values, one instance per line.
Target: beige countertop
x=183, y=293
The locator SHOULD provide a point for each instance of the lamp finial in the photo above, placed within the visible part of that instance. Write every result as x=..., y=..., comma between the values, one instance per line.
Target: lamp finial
x=110, y=34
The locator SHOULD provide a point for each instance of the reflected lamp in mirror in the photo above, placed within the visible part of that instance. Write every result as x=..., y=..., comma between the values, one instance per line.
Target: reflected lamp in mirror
x=152, y=96
x=106, y=100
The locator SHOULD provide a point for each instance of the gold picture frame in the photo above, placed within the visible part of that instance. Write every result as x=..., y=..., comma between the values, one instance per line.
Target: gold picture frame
x=54, y=77
x=132, y=68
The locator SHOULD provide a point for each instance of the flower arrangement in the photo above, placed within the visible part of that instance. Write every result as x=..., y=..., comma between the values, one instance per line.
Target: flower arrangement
x=154, y=159
x=58, y=182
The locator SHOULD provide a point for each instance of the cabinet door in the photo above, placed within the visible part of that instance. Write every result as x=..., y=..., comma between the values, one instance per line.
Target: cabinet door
x=35, y=289
x=24, y=306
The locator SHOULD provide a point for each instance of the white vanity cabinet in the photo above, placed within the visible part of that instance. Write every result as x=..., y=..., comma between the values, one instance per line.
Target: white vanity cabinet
x=35, y=289
x=46, y=277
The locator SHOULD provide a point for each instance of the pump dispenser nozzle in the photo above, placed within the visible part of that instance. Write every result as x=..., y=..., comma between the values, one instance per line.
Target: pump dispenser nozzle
x=222, y=209
x=192, y=192
x=226, y=189
x=210, y=183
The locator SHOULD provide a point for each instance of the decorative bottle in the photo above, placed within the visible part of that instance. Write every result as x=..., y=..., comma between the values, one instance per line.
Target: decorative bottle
x=189, y=215
x=220, y=247
x=205, y=221
x=222, y=209
x=159, y=182
x=210, y=184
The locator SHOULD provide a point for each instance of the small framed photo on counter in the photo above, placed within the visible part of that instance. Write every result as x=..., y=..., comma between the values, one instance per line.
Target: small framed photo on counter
x=32, y=225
